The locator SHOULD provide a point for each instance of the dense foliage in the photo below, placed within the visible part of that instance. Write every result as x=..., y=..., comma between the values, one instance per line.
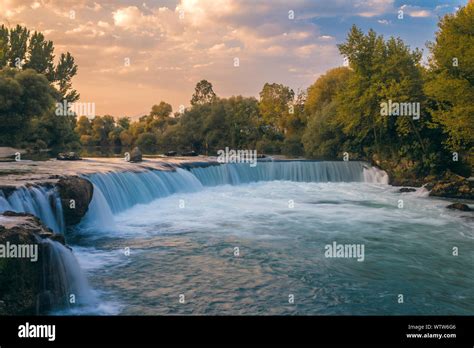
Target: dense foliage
x=340, y=113
x=30, y=86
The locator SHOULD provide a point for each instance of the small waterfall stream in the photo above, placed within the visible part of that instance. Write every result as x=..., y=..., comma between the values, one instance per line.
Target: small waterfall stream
x=64, y=284
x=43, y=202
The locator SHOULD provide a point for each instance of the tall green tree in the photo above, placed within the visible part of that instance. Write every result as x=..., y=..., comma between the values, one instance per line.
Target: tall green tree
x=203, y=93
x=66, y=69
x=450, y=82
x=40, y=55
x=161, y=110
x=383, y=71
x=323, y=137
x=24, y=94
x=274, y=105
x=18, y=41
x=4, y=45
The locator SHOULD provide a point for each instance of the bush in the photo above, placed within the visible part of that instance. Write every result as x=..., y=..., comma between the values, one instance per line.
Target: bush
x=292, y=146
x=268, y=146
x=40, y=145
x=147, y=142
x=87, y=140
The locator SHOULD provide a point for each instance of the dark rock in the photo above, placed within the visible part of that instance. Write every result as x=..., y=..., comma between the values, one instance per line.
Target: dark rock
x=14, y=213
x=459, y=206
x=407, y=189
x=68, y=156
x=453, y=186
x=189, y=154
x=171, y=153
x=261, y=155
x=398, y=181
x=136, y=155
x=80, y=191
x=24, y=282
x=429, y=185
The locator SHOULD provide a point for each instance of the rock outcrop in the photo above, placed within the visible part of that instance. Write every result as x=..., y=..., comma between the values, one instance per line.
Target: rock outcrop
x=68, y=156
x=136, y=155
x=459, y=206
x=453, y=186
x=76, y=194
x=407, y=189
x=189, y=154
x=25, y=287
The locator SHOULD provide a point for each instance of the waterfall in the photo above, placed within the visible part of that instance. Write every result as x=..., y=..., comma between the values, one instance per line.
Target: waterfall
x=375, y=175
x=303, y=171
x=122, y=190
x=115, y=192
x=43, y=202
x=63, y=279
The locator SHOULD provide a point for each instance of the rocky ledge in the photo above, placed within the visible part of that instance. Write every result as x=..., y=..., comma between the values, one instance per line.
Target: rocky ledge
x=26, y=270
x=452, y=186
x=449, y=185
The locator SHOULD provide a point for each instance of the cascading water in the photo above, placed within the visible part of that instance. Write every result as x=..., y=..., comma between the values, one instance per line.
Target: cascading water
x=64, y=285
x=301, y=171
x=115, y=192
x=282, y=216
x=42, y=202
x=125, y=189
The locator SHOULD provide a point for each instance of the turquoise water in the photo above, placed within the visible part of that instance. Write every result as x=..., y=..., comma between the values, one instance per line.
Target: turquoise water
x=184, y=243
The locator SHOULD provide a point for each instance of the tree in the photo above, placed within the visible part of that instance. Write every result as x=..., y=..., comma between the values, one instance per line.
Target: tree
x=274, y=105
x=24, y=94
x=450, y=82
x=323, y=138
x=34, y=55
x=382, y=71
x=101, y=128
x=40, y=55
x=162, y=110
x=124, y=122
x=83, y=126
x=18, y=45
x=241, y=122
x=4, y=49
x=203, y=93
x=65, y=71
x=323, y=91
x=147, y=141
x=126, y=139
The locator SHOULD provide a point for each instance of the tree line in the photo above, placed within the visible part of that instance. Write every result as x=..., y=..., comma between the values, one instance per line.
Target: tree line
x=340, y=113
x=30, y=85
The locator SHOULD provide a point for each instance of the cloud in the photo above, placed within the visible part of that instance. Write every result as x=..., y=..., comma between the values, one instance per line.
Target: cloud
x=415, y=11
x=172, y=44
x=128, y=17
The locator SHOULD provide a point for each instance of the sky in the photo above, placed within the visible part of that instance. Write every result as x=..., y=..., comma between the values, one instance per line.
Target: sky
x=133, y=54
